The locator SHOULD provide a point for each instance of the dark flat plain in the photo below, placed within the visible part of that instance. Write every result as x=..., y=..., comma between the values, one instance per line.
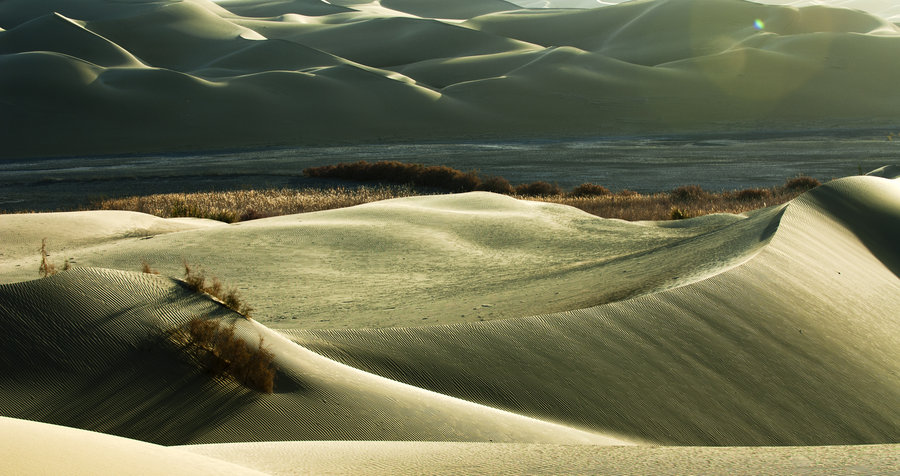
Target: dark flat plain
x=642, y=164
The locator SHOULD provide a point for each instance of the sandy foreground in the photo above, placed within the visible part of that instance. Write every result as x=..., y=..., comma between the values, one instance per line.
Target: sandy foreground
x=104, y=76
x=760, y=343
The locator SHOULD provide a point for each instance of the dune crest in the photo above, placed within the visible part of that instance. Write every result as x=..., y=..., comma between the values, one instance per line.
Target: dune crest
x=184, y=74
x=796, y=346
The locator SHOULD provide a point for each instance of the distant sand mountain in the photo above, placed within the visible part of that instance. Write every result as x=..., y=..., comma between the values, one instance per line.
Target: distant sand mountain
x=98, y=76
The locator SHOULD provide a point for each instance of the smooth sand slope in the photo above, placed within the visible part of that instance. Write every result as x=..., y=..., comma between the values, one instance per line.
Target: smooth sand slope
x=28, y=447
x=779, y=328
x=798, y=345
x=88, y=349
x=391, y=458
x=98, y=76
x=476, y=256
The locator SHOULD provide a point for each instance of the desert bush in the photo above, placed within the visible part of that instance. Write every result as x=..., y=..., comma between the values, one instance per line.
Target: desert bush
x=589, y=190
x=195, y=280
x=801, y=183
x=538, y=189
x=432, y=176
x=688, y=193
x=752, y=194
x=224, y=354
x=496, y=184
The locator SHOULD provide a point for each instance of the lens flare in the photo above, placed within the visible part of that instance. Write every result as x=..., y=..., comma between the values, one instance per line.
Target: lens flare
x=758, y=24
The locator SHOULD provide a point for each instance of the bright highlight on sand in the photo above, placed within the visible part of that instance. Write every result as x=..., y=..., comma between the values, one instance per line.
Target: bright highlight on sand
x=758, y=24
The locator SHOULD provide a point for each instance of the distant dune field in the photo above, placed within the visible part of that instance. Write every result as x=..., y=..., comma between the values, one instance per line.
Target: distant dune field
x=739, y=344
x=100, y=76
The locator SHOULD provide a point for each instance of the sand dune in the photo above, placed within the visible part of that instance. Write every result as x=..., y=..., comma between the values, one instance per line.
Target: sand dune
x=776, y=328
x=25, y=445
x=103, y=363
x=187, y=72
x=481, y=458
x=753, y=355
x=476, y=256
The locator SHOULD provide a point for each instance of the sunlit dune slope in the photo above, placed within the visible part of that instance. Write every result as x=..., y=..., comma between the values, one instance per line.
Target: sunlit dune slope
x=476, y=256
x=38, y=448
x=88, y=348
x=393, y=458
x=798, y=345
x=98, y=76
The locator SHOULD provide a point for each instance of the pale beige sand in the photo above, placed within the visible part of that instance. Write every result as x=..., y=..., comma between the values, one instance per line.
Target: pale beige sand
x=31, y=448
x=772, y=329
x=476, y=256
x=97, y=76
x=492, y=458
x=797, y=345
x=89, y=350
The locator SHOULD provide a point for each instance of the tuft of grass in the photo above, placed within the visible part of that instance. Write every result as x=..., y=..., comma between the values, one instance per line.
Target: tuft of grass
x=47, y=268
x=195, y=279
x=678, y=214
x=146, y=269
x=224, y=354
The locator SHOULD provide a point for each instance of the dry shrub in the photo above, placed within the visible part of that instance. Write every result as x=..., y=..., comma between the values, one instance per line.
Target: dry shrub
x=589, y=190
x=391, y=171
x=496, y=185
x=224, y=354
x=801, y=183
x=752, y=194
x=195, y=279
x=47, y=268
x=688, y=193
x=538, y=189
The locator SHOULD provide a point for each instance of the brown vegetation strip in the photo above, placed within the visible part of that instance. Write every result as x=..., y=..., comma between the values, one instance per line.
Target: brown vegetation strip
x=241, y=205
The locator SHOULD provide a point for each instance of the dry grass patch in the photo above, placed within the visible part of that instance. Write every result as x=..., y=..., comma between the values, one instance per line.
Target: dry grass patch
x=242, y=205
x=224, y=354
x=682, y=202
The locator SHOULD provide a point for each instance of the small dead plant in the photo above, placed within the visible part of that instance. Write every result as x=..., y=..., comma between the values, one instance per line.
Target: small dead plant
x=146, y=269
x=47, y=268
x=195, y=279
